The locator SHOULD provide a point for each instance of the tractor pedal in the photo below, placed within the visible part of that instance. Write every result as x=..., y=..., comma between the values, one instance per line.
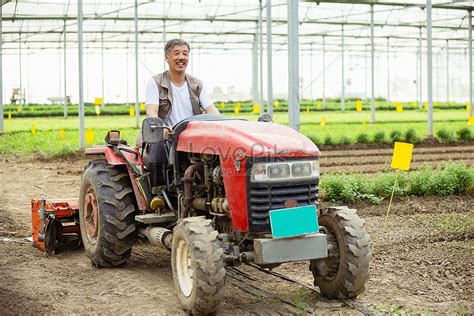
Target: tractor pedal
x=154, y=218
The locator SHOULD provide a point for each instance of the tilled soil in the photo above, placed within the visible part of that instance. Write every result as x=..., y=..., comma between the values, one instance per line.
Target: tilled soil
x=422, y=259
x=375, y=160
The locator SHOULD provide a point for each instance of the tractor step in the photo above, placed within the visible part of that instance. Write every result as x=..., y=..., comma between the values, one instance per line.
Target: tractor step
x=155, y=218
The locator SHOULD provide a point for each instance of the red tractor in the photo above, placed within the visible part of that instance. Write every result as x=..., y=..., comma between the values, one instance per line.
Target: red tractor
x=234, y=192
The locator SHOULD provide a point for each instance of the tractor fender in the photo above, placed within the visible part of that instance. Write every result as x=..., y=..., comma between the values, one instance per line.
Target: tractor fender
x=114, y=159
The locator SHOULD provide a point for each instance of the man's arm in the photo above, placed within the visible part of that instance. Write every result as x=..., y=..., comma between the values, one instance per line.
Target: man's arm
x=152, y=99
x=211, y=109
x=151, y=110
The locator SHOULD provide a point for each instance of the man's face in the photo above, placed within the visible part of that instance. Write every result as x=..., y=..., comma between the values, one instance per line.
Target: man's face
x=177, y=58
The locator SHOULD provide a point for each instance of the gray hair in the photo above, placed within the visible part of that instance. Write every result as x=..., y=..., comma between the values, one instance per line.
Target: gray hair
x=173, y=42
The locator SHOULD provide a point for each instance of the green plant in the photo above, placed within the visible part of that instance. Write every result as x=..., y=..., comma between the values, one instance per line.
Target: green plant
x=328, y=140
x=395, y=135
x=464, y=133
x=379, y=137
x=362, y=138
x=411, y=136
x=450, y=179
x=344, y=140
x=445, y=135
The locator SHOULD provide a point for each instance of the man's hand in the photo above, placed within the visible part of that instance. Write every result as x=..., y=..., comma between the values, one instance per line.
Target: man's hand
x=212, y=110
x=166, y=133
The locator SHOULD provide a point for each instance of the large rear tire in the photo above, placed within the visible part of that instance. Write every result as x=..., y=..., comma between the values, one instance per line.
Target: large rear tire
x=106, y=213
x=198, y=265
x=346, y=270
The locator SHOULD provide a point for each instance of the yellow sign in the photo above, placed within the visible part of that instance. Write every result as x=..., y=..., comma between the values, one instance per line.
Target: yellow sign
x=402, y=156
x=238, y=104
x=62, y=135
x=399, y=107
x=425, y=105
x=222, y=104
x=89, y=136
x=470, y=121
x=18, y=109
x=97, y=110
x=256, y=108
x=468, y=107
x=236, y=109
x=323, y=121
x=98, y=101
x=142, y=106
x=276, y=103
x=132, y=111
x=307, y=109
x=9, y=115
x=33, y=129
x=318, y=104
x=359, y=106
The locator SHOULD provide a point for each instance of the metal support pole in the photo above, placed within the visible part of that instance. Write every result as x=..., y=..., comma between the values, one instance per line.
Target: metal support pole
x=64, y=72
x=102, y=66
x=128, y=76
x=471, y=113
x=372, y=66
x=164, y=41
x=81, y=75
x=21, y=82
x=1, y=73
x=437, y=76
x=430, y=67
x=260, y=53
x=137, y=108
x=293, y=66
x=447, y=72
x=388, y=71
x=343, y=98
x=366, y=57
x=255, y=69
x=420, y=95
x=324, y=73
x=311, y=96
x=269, y=59
x=417, y=80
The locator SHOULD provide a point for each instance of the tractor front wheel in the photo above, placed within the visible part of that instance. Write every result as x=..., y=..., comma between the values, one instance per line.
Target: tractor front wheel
x=346, y=270
x=106, y=214
x=198, y=265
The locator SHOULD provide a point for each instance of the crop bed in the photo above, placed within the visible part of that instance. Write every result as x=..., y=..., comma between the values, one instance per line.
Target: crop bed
x=376, y=160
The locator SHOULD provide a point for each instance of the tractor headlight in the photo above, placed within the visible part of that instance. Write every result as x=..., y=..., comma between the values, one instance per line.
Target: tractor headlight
x=275, y=171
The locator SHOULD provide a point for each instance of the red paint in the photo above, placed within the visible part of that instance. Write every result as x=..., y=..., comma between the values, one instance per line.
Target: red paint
x=252, y=139
x=235, y=187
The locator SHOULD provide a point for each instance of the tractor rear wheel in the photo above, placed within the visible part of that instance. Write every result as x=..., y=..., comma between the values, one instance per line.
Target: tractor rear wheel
x=106, y=213
x=346, y=270
x=198, y=265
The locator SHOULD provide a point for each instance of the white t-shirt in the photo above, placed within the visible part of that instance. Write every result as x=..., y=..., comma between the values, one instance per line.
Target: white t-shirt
x=181, y=107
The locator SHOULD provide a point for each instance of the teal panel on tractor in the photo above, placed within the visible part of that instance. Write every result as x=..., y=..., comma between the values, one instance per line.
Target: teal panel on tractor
x=296, y=221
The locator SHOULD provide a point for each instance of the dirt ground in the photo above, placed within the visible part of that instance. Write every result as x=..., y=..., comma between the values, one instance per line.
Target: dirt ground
x=422, y=261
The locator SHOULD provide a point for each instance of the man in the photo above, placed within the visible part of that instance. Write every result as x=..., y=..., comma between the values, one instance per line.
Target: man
x=173, y=96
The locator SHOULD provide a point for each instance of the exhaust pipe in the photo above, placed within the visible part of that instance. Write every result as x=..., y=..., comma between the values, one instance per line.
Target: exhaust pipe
x=158, y=236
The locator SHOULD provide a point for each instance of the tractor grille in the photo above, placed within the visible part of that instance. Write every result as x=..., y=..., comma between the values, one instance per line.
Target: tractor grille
x=263, y=198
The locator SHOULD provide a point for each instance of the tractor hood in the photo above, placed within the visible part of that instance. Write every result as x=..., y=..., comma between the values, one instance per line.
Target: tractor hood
x=243, y=138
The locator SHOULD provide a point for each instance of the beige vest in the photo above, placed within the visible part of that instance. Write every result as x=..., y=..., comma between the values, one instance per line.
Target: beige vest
x=163, y=82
